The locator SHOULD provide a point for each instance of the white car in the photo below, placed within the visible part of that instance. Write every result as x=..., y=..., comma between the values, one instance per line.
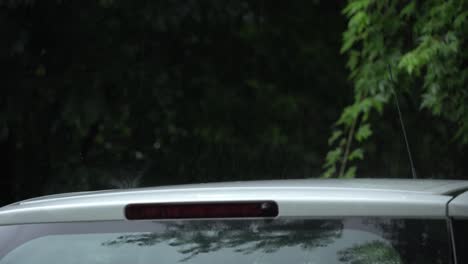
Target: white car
x=291, y=221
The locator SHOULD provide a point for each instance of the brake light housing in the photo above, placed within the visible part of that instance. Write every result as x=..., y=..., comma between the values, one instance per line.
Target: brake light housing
x=159, y=211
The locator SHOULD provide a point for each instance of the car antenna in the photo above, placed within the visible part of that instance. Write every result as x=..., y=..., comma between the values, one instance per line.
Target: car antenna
x=403, y=128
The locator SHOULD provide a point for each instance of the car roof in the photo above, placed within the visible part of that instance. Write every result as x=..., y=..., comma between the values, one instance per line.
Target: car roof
x=428, y=186
x=309, y=197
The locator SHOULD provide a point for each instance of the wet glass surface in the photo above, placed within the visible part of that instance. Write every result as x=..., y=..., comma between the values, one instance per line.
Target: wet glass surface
x=351, y=240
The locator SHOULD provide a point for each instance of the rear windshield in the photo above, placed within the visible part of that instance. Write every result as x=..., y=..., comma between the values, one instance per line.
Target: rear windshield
x=304, y=241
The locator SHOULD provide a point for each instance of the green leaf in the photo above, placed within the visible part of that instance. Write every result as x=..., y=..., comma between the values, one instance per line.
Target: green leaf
x=332, y=157
x=359, y=21
x=349, y=114
x=408, y=10
x=353, y=60
x=357, y=154
x=363, y=132
x=329, y=172
x=350, y=173
x=460, y=19
x=336, y=134
x=355, y=6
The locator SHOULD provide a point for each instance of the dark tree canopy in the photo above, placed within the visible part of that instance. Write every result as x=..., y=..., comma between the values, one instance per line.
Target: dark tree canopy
x=110, y=93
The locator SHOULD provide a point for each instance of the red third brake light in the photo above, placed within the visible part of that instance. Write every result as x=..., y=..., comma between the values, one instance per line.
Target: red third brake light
x=201, y=210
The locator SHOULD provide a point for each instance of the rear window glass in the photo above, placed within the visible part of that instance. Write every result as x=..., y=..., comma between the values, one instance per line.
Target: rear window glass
x=460, y=228
x=351, y=240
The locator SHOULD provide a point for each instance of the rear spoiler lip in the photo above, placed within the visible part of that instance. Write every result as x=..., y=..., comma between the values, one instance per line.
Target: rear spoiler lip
x=291, y=203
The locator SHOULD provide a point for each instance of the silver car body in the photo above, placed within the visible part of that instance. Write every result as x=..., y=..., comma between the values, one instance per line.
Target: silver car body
x=301, y=198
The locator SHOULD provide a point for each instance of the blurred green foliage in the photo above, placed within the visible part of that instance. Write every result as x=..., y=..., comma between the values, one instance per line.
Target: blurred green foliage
x=424, y=42
x=102, y=94
x=112, y=93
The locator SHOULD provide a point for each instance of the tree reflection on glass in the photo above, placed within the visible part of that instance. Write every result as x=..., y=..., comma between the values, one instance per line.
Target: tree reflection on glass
x=350, y=241
x=416, y=241
x=370, y=253
x=193, y=238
